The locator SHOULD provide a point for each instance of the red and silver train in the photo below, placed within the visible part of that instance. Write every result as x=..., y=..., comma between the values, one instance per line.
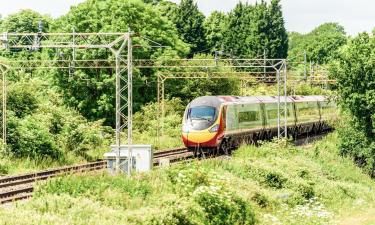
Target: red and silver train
x=220, y=123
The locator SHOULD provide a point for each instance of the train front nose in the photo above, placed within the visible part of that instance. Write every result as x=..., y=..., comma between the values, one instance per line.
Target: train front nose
x=194, y=138
x=196, y=129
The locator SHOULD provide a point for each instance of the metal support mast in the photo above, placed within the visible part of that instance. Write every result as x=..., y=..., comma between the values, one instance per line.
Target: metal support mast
x=282, y=101
x=130, y=103
x=3, y=70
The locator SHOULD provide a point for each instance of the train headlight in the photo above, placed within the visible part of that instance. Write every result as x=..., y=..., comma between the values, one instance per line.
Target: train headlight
x=214, y=128
x=185, y=129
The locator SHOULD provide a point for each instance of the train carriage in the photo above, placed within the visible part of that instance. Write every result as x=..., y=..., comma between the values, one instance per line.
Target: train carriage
x=220, y=123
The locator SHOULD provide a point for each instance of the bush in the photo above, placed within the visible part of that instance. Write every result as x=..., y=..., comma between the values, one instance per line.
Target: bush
x=146, y=120
x=306, y=191
x=53, y=131
x=22, y=99
x=30, y=137
x=275, y=180
x=206, y=191
x=261, y=199
x=221, y=207
x=207, y=205
x=354, y=143
x=177, y=213
x=185, y=181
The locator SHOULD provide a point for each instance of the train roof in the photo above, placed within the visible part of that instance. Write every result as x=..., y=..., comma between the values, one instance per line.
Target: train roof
x=216, y=101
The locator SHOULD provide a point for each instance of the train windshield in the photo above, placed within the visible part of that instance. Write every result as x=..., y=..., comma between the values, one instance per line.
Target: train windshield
x=202, y=113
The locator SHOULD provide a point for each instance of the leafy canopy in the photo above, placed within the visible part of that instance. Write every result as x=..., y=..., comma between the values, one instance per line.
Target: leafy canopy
x=189, y=22
x=92, y=91
x=355, y=75
x=321, y=44
x=255, y=28
x=215, y=27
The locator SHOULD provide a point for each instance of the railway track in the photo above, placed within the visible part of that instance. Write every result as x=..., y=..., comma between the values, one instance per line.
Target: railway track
x=172, y=155
x=18, y=187
x=13, y=188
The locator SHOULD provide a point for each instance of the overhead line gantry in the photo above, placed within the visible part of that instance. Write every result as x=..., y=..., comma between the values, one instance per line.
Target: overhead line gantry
x=120, y=44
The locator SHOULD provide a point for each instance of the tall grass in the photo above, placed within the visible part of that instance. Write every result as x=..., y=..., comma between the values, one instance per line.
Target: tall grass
x=276, y=183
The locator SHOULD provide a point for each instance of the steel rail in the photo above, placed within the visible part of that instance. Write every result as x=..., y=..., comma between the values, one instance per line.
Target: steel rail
x=19, y=187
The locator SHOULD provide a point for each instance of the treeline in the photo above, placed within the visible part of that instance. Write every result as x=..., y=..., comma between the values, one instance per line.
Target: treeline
x=321, y=45
x=246, y=31
x=249, y=31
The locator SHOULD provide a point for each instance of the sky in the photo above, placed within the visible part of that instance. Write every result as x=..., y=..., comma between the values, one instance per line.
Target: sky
x=300, y=15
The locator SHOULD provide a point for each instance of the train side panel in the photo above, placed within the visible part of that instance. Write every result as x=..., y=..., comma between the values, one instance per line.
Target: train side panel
x=243, y=123
x=307, y=115
x=271, y=115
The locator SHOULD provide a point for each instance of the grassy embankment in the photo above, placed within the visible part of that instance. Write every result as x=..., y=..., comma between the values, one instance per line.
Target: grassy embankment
x=272, y=183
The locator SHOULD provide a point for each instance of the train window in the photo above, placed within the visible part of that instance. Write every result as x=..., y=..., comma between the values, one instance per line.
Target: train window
x=328, y=109
x=249, y=116
x=203, y=112
x=272, y=113
x=307, y=111
x=231, y=118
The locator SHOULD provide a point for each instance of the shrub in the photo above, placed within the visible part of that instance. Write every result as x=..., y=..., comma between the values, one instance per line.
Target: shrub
x=146, y=120
x=221, y=207
x=261, y=199
x=22, y=99
x=4, y=169
x=177, y=213
x=30, y=137
x=185, y=181
x=354, y=143
x=306, y=190
x=275, y=180
x=207, y=205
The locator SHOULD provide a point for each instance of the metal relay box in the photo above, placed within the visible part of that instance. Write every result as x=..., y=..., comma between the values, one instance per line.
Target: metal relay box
x=142, y=158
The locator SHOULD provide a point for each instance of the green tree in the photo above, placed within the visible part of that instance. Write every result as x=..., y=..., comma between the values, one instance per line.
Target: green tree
x=321, y=44
x=189, y=22
x=355, y=75
x=215, y=26
x=252, y=29
x=152, y=2
x=92, y=91
x=277, y=37
x=167, y=9
x=25, y=21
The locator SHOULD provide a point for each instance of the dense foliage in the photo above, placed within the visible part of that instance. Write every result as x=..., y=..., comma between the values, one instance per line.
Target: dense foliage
x=321, y=44
x=92, y=91
x=40, y=126
x=253, y=29
x=189, y=23
x=25, y=21
x=215, y=27
x=355, y=75
x=69, y=120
